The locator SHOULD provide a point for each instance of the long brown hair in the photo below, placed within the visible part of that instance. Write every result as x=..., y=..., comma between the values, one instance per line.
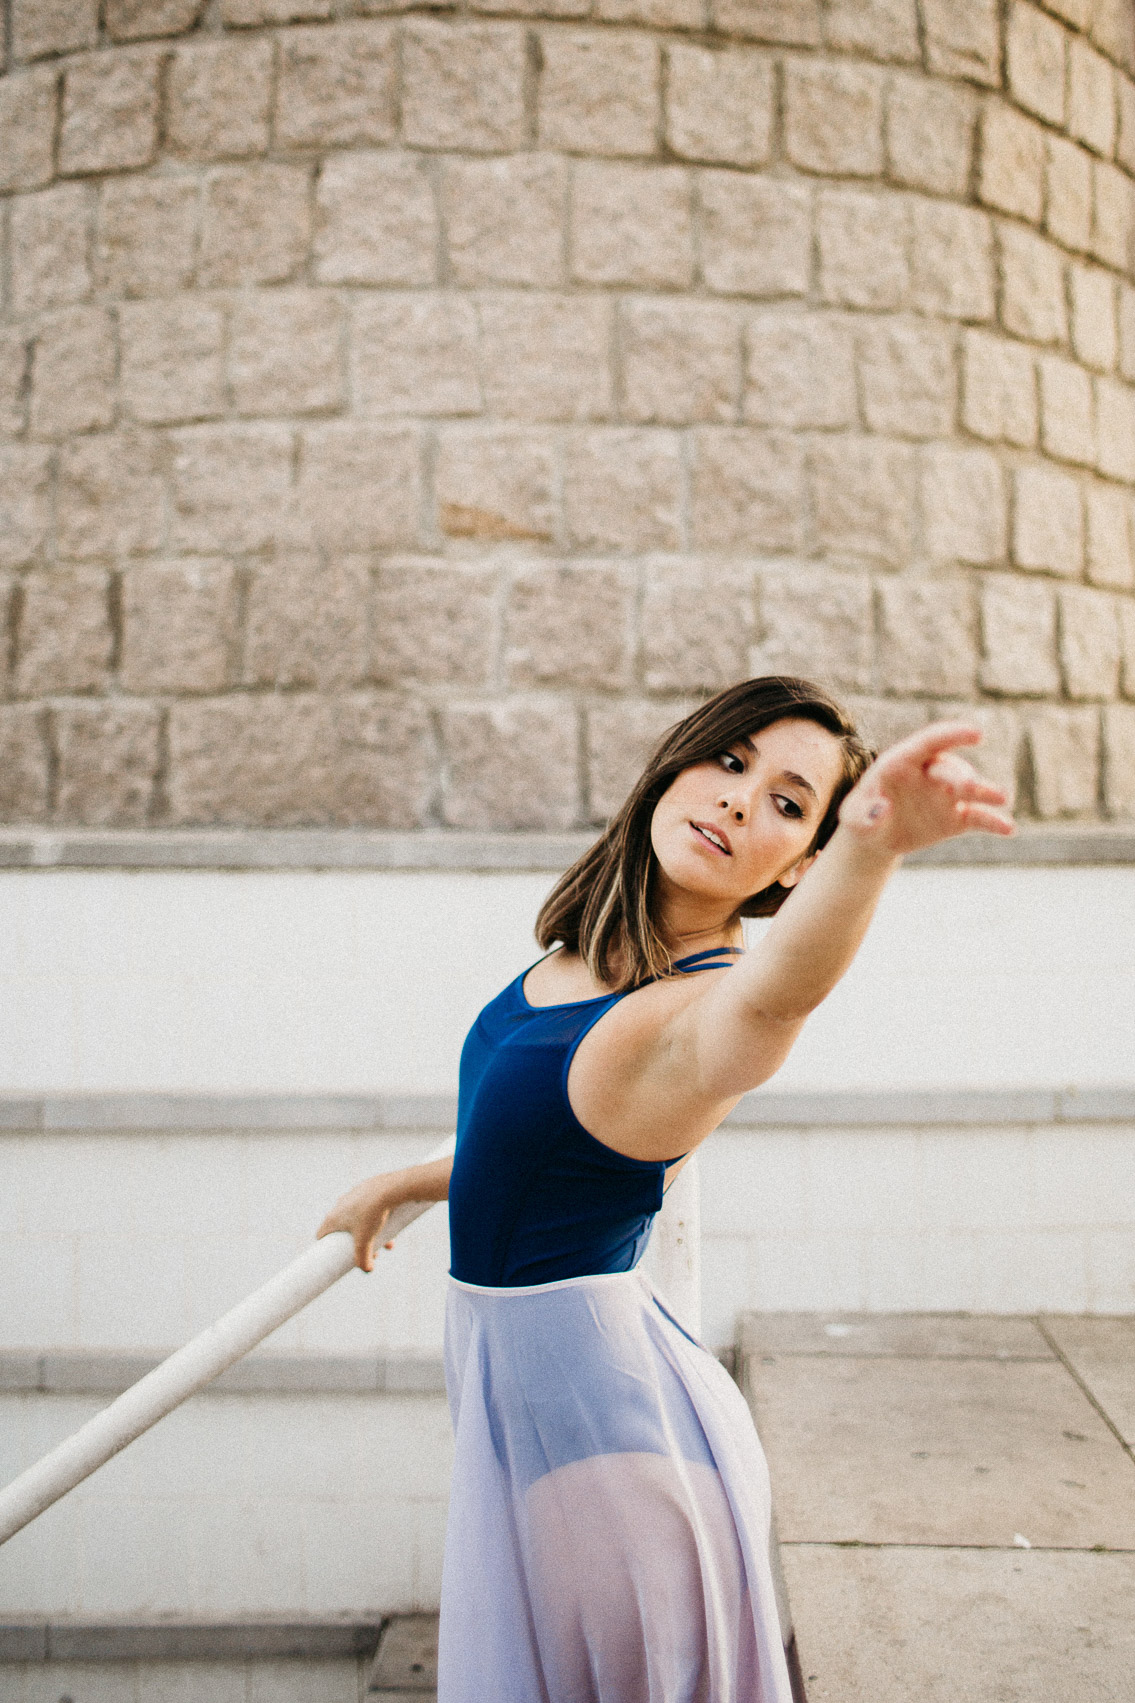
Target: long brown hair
x=603, y=907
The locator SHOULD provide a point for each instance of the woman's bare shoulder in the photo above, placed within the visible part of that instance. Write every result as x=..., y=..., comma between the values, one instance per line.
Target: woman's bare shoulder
x=561, y=978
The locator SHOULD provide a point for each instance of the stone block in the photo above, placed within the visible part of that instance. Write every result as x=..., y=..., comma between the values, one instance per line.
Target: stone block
x=755, y=235
x=284, y=352
x=511, y=766
x=681, y=361
x=414, y=354
x=28, y=101
x=953, y=273
x=929, y=129
x=1113, y=216
x=107, y=763
x=360, y=485
x=998, y=755
x=24, y=786
x=963, y=505
x=1065, y=748
x=172, y=358
x=907, y=378
x=620, y=738
x=570, y=624
x=1013, y=160
x=307, y=623
x=504, y=219
x=255, y=224
x=663, y=14
x=1018, y=638
x=882, y=722
x=1110, y=26
x=748, y=489
x=435, y=623
x=863, y=244
x=999, y=390
x=25, y=502
x=112, y=496
x=63, y=638
x=963, y=39
x=883, y=29
x=288, y=760
x=1089, y=643
x=1110, y=541
x=49, y=239
x=498, y=482
x=245, y=14
x=1127, y=331
x=1048, y=521
x=599, y=92
x=796, y=23
x=15, y=370
x=862, y=492
x=1067, y=426
x=178, y=626
x=623, y=489
x=1125, y=141
x=53, y=26
x=1127, y=637
x=1035, y=59
x=1115, y=424
x=817, y=623
x=631, y=224
x=110, y=111
x=219, y=98
x=232, y=488
x=463, y=86
x=926, y=637
x=376, y=221
x=146, y=235
x=73, y=366
x=833, y=117
x=697, y=624
x=337, y=87
x=546, y=357
x=1032, y=287
x=1092, y=108
x=1119, y=760
x=1068, y=193
x=799, y=370
x=134, y=20
x=1092, y=304
x=719, y=104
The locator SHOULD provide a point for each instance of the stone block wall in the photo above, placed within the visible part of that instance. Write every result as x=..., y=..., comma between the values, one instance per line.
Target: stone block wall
x=405, y=413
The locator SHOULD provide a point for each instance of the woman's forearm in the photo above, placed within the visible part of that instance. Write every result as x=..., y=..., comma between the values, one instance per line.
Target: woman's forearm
x=419, y=1182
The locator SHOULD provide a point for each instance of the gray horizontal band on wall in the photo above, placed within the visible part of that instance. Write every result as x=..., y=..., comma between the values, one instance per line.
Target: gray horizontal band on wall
x=356, y=848
x=170, y=1641
x=403, y=1113
x=105, y=1372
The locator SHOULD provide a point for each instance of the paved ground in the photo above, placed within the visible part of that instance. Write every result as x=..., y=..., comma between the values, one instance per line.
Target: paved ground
x=956, y=1503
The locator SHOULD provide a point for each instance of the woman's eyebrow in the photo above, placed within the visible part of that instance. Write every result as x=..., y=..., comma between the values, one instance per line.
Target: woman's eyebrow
x=785, y=774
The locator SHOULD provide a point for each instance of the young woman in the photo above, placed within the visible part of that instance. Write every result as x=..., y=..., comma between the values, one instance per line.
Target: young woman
x=609, y=1517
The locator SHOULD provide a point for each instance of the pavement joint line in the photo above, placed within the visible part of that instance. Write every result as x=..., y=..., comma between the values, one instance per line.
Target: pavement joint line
x=988, y=1548
x=1084, y=1390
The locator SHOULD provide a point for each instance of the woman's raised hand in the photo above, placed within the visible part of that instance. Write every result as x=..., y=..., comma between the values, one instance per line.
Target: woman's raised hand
x=921, y=791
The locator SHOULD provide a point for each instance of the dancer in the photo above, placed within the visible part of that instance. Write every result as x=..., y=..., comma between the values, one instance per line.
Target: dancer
x=609, y=1515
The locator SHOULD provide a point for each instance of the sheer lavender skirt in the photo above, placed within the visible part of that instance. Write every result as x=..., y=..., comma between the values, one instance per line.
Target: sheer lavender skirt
x=608, y=1536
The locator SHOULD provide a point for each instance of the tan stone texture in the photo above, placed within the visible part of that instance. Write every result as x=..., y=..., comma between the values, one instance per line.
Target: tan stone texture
x=146, y=235
x=111, y=496
x=172, y=359
x=1115, y=423
x=999, y=389
x=998, y=755
x=232, y=487
x=245, y=13
x=1092, y=111
x=963, y=505
x=952, y=273
x=23, y=763
x=25, y=502
x=1068, y=194
x=599, y=92
x=697, y=624
x=676, y=14
x=15, y=368
x=799, y=370
x=1127, y=331
x=621, y=736
x=415, y=354
x=497, y=483
x=1125, y=142
x=510, y=765
x=255, y=224
x=1012, y=162
x=110, y=111
x=570, y=624
x=1113, y=215
x=794, y=22
x=307, y=623
x=73, y=366
x=927, y=637
x=463, y=85
x=178, y=626
x=1036, y=57
x=1126, y=610
x=719, y=104
x=963, y=39
x=862, y=492
x=623, y=489
x=1032, y=287
x=834, y=118
x=815, y=623
x=1048, y=521
x=747, y=492
x=1067, y=414
x=133, y=20
x=1092, y=302
x=885, y=29
x=929, y=134
x=755, y=235
x=28, y=101
x=1119, y=760
x=338, y=87
x=1089, y=643
x=681, y=361
x=546, y=357
x=907, y=378
x=631, y=224
x=53, y=26
x=434, y=623
x=1110, y=537
x=863, y=242
x=504, y=219
x=49, y=247
x=1065, y=747
x=219, y=98
x=284, y=354
x=108, y=758
x=376, y=221
x=360, y=485
x=63, y=638
x=1018, y=637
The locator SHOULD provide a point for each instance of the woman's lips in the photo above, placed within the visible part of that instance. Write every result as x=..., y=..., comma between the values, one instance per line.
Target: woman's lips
x=719, y=843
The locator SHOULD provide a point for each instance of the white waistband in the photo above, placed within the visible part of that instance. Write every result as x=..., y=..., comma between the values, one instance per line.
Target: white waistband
x=635, y=1275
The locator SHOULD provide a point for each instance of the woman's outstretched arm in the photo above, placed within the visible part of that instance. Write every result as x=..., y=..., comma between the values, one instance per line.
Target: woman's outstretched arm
x=363, y=1210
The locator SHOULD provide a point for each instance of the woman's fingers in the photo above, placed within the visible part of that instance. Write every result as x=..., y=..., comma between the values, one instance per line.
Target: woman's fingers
x=985, y=819
x=941, y=736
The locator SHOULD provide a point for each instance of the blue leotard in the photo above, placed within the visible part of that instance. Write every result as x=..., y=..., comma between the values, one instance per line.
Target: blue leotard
x=533, y=1196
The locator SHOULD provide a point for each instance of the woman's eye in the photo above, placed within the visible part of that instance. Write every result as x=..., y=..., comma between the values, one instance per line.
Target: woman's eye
x=732, y=763
x=789, y=807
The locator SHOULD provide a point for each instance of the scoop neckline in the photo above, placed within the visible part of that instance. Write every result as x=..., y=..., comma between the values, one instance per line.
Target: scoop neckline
x=597, y=998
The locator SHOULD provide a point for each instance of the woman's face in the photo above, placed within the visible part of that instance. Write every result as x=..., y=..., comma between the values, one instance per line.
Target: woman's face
x=731, y=826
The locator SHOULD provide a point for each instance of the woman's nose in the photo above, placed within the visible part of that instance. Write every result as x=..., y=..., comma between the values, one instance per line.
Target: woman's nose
x=734, y=807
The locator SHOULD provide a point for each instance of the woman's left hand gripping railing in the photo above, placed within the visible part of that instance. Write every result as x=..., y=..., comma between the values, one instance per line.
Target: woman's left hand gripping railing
x=189, y=1370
